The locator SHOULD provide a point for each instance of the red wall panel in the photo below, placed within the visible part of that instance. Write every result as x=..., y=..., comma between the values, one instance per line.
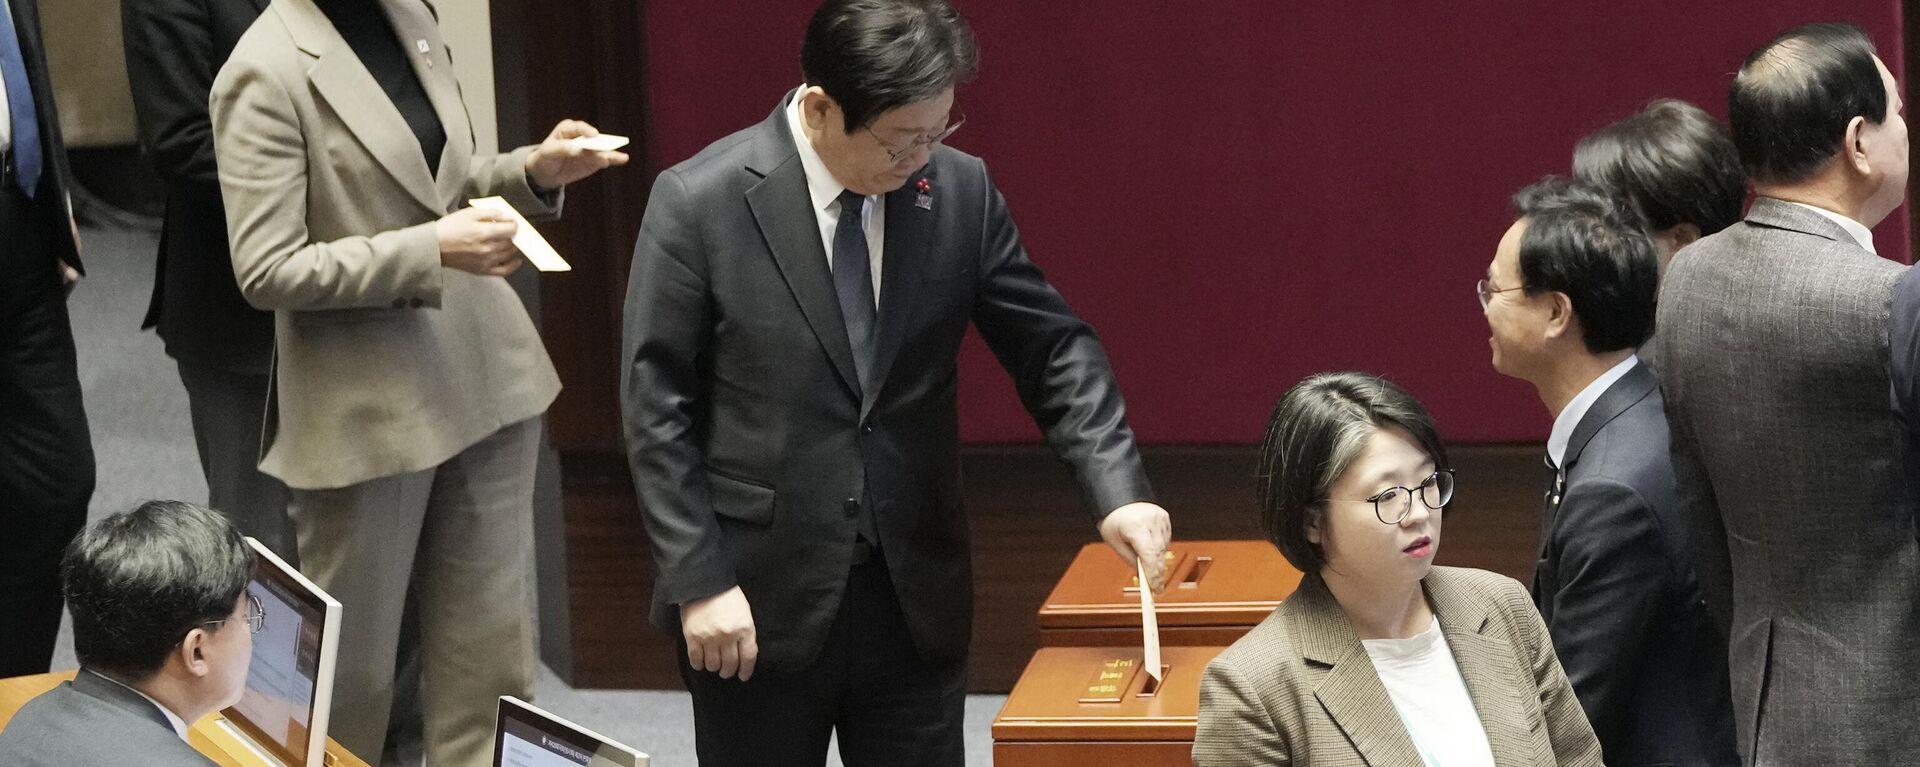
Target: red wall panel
x=1238, y=194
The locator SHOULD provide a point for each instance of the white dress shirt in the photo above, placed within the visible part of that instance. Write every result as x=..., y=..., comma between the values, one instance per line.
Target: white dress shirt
x=825, y=191
x=1576, y=409
x=1424, y=683
x=1861, y=234
x=179, y=725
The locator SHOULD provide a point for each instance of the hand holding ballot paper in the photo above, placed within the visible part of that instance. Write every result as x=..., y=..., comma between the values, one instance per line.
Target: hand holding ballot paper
x=573, y=151
x=525, y=237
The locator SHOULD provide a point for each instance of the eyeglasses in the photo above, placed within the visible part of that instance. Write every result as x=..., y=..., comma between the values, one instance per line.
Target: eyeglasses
x=1392, y=505
x=1486, y=292
x=256, y=616
x=925, y=139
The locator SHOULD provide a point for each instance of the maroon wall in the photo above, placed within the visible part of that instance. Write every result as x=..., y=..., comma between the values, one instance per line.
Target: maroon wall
x=1238, y=194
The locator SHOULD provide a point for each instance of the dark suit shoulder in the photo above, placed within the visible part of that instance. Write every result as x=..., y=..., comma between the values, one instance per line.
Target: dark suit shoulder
x=66, y=726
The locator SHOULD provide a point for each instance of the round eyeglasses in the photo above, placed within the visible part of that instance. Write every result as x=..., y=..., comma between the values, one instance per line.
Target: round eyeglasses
x=256, y=616
x=1392, y=505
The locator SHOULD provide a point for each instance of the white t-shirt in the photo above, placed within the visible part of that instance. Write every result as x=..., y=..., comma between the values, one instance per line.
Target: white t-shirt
x=1428, y=693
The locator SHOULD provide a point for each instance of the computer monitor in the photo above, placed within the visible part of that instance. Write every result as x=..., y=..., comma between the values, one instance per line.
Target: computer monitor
x=283, y=711
x=526, y=736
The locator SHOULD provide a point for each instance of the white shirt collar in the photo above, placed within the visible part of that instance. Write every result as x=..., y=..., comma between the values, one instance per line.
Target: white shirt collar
x=179, y=725
x=821, y=185
x=1576, y=409
x=1861, y=234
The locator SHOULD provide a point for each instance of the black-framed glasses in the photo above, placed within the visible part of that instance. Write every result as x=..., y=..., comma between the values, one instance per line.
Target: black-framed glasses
x=256, y=616
x=1487, y=291
x=1392, y=505
x=925, y=139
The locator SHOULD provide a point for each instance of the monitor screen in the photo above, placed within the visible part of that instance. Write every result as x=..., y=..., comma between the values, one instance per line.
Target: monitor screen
x=290, y=679
x=527, y=736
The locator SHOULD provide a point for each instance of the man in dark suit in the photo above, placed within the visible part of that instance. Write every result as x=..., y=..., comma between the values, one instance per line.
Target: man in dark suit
x=798, y=297
x=222, y=346
x=46, y=453
x=1569, y=296
x=1773, y=337
x=163, y=625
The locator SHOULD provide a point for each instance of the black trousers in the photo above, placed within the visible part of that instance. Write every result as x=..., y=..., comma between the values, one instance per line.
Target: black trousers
x=869, y=685
x=46, y=453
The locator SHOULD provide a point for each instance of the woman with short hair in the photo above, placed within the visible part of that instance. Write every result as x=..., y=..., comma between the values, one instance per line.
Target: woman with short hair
x=1380, y=657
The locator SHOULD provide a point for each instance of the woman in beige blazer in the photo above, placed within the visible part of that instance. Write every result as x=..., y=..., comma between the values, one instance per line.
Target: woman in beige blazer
x=409, y=379
x=1380, y=658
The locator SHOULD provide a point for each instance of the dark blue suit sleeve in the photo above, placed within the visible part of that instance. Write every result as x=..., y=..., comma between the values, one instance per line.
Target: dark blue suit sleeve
x=1612, y=579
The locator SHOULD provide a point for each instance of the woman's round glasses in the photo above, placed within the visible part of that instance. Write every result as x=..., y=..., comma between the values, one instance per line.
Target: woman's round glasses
x=1393, y=504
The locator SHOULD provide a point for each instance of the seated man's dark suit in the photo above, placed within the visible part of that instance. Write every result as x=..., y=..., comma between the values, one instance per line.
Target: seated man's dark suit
x=93, y=720
x=1616, y=583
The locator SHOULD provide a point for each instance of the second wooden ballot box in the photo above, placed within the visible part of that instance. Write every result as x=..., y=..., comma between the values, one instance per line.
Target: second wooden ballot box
x=1216, y=591
x=1080, y=706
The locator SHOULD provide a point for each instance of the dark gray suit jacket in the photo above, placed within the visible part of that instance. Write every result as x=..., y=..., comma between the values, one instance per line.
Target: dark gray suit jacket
x=752, y=444
x=1618, y=589
x=89, y=721
x=1774, y=336
x=174, y=48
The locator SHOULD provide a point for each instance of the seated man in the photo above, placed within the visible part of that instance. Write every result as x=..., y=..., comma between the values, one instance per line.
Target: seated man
x=163, y=626
x=1568, y=297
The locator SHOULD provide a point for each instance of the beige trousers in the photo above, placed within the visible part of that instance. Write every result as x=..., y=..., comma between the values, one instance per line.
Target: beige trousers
x=459, y=534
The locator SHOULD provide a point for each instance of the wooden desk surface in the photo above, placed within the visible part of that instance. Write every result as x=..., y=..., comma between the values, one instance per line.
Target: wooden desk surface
x=206, y=735
x=1045, y=705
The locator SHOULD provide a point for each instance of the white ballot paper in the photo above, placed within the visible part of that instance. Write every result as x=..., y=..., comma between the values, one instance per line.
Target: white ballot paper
x=526, y=238
x=1149, y=624
x=605, y=142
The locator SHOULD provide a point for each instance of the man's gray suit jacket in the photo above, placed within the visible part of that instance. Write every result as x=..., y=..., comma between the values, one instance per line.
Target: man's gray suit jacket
x=1773, y=362
x=92, y=720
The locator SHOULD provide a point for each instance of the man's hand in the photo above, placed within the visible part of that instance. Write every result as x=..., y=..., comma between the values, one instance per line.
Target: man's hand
x=719, y=633
x=69, y=276
x=557, y=162
x=1140, y=530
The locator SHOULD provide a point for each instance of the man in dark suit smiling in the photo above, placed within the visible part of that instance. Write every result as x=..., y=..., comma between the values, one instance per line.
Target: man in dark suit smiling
x=798, y=297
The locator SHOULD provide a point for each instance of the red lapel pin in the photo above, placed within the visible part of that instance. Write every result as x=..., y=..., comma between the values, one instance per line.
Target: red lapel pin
x=925, y=200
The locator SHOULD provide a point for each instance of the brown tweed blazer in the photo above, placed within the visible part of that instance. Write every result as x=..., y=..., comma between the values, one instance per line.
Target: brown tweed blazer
x=1299, y=689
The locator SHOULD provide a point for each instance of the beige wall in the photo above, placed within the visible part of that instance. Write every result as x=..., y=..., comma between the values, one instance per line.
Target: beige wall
x=90, y=69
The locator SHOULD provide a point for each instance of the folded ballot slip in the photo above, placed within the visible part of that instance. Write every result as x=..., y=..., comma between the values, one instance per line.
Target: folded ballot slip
x=527, y=238
x=605, y=142
x=1149, y=623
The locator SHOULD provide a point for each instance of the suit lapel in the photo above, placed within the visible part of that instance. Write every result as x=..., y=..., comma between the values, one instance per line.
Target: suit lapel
x=1486, y=663
x=1632, y=387
x=783, y=210
x=358, y=100
x=434, y=67
x=909, y=233
x=1351, y=691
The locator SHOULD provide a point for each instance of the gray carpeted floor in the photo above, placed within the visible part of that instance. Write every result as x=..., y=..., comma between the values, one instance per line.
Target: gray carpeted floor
x=144, y=444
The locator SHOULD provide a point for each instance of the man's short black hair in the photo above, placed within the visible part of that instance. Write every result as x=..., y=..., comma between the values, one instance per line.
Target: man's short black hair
x=1673, y=161
x=138, y=581
x=1316, y=432
x=872, y=56
x=1593, y=247
x=1793, y=97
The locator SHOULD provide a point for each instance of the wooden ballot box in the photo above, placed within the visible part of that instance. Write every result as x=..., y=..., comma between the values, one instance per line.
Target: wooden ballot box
x=1216, y=591
x=1080, y=706
x=206, y=736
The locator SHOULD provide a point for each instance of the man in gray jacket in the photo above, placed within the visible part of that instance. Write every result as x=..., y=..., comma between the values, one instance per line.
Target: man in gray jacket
x=1773, y=338
x=163, y=626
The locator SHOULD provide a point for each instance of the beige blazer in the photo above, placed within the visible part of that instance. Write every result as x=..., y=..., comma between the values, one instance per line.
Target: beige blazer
x=1299, y=689
x=387, y=362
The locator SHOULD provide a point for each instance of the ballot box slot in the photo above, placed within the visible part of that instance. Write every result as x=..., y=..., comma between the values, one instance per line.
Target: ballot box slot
x=1179, y=565
x=1150, y=686
x=1201, y=565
